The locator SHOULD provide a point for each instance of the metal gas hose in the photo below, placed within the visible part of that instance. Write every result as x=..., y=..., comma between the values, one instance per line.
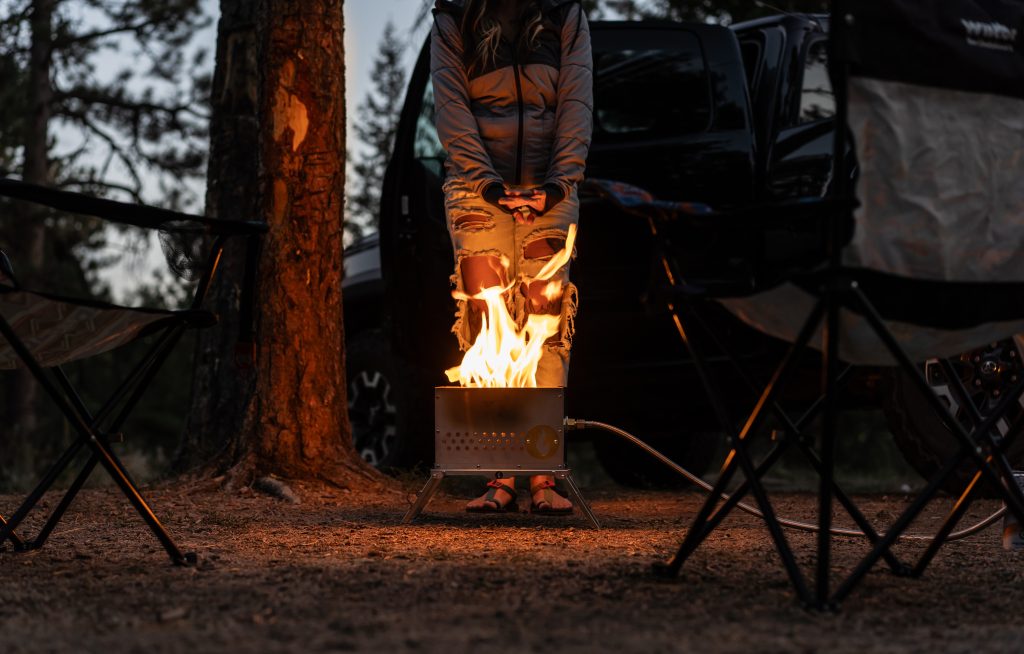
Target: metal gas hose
x=571, y=424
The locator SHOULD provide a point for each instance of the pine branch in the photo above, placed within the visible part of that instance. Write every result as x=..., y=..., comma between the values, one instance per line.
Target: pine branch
x=18, y=16
x=95, y=183
x=90, y=36
x=115, y=147
x=94, y=96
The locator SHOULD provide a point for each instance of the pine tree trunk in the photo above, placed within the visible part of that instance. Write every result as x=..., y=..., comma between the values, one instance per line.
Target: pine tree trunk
x=220, y=392
x=296, y=424
x=23, y=390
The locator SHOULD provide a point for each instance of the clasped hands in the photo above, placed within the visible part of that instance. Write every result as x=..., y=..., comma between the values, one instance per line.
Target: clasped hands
x=525, y=204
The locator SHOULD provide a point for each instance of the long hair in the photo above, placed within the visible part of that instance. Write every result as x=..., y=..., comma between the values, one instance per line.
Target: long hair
x=481, y=31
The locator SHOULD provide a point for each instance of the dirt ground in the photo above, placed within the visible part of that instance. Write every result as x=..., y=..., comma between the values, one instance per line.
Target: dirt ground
x=339, y=573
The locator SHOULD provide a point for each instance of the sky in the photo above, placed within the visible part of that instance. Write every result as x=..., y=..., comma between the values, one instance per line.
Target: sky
x=364, y=25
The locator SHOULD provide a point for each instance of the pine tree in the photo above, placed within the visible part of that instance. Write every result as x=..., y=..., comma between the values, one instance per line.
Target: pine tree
x=130, y=130
x=377, y=120
x=144, y=120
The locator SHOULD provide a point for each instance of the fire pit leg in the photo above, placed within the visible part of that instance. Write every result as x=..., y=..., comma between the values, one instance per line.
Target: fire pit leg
x=424, y=497
x=577, y=497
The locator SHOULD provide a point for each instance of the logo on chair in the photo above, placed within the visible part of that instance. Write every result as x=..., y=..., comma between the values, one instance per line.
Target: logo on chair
x=994, y=36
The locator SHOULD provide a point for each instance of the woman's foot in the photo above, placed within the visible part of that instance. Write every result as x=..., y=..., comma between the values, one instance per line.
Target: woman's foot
x=500, y=497
x=546, y=501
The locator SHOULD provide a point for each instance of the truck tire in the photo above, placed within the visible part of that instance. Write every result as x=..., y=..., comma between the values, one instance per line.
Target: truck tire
x=630, y=466
x=382, y=403
x=921, y=436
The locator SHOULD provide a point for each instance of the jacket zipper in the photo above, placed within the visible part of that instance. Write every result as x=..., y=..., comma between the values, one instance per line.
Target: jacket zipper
x=519, y=135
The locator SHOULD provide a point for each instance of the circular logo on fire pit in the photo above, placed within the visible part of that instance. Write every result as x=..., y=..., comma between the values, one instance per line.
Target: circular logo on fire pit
x=542, y=442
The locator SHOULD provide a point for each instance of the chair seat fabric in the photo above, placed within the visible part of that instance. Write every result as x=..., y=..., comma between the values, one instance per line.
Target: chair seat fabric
x=60, y=330
x=928, y=319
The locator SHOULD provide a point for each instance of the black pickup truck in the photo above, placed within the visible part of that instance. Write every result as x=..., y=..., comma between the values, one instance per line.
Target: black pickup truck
x=694, y=112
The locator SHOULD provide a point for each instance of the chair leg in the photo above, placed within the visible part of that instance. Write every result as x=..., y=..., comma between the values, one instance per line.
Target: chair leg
x=967, y=496
x=963, y=503
x=893, y=533
x=772, y=523
x=1004, y=483
x=699, y=530
x=828, y=439
x=737, y=495
x=895, y=565
x=72, y=409
x=969, y=449
x=703, y=526
x=69, y=496
x=795, y=430
x=37, y=493
x=16, y=542
x=114, y=468
x=65, y=502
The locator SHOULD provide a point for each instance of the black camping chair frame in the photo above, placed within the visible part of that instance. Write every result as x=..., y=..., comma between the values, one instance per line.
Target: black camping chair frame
x=96, y=431
x=982, y=443
x=837, y=287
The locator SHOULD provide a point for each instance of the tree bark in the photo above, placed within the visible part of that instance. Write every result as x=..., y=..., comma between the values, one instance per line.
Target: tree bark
x=220, y=393
x=23, y=390
x=295, y=420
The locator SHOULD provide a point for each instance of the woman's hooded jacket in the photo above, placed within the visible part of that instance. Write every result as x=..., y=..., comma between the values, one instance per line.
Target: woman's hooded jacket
x=524, y=119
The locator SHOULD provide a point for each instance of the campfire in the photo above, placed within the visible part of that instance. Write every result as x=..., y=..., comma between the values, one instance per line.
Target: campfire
x=505, y=355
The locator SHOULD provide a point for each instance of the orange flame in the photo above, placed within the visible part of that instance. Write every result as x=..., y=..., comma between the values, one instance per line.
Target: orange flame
x=503, y=355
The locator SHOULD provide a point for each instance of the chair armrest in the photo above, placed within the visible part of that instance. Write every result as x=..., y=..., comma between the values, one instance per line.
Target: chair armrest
x=128, y=214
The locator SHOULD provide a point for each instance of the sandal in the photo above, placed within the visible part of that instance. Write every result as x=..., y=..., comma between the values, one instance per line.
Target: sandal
x=495, y=505
x=546, y=506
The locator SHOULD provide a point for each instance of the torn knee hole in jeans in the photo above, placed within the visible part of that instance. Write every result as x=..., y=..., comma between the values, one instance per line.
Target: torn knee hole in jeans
x=465, y=324
x=543, y=244
x=472, y=221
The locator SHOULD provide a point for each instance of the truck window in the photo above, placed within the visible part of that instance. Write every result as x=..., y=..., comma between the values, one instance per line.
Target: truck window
x=816, y=99
x=426, y=147
x=751, y=50
x=651, y=93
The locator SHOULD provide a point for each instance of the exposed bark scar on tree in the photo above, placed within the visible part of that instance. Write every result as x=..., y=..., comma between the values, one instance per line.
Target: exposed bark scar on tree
x=280, y=199
x=289, y=111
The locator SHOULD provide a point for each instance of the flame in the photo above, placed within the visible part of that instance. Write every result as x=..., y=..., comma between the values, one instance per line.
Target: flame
x=552, y=291
x=503, y=355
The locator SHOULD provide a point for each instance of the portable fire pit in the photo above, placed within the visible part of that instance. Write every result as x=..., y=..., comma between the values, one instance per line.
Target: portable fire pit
x=499, y=432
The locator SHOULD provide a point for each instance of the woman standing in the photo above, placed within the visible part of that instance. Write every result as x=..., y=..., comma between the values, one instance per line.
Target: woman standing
x=513, y=88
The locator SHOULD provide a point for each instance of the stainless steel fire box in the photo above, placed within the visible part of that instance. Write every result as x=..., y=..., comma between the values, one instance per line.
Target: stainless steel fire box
x=499, y=432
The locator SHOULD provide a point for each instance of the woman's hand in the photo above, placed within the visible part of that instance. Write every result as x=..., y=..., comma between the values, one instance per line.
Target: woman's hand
x=525, y=204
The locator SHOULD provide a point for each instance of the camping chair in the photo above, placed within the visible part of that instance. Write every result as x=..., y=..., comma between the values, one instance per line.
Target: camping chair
x=933, y=95
x=42, y=330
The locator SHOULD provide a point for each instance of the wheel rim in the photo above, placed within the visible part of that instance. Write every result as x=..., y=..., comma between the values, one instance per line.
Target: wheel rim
x=373, y=416
x=987, y=373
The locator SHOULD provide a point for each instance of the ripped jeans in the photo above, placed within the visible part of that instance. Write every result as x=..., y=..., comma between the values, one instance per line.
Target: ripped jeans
x=486, y=238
